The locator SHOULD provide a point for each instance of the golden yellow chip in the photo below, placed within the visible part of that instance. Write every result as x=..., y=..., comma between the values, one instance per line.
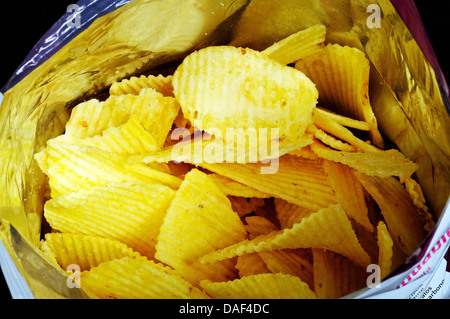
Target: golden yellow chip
x=329, y=139
x=89, y=118
x=200, y=220
x=332, y=126
x=251, y=264
x=336, y=276
x=385, y=244
x=403, y=220
x=240, y=147
x=349, y=192
x=130, y=212
x=341, y=74
x=381, y=163
x=71, y=168
x=223, y=87
x=154, y=111
x=296, y=262
x=134, y=85
x=128, y=139
x=297, y=180
x=297, y=45
x=129, y=278
x=289, y=214
x=86, y=251
x=343, y=120
x=261, y=286
x=333, y=225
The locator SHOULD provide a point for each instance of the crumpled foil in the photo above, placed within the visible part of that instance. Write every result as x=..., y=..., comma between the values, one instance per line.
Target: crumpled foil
x=142, y=37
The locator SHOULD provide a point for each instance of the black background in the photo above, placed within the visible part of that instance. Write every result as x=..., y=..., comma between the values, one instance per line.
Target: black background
x=23, y=23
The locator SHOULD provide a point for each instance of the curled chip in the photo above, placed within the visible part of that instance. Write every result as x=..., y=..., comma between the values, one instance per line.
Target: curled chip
x=86, y=251
x=341, y=74
x=224, y=85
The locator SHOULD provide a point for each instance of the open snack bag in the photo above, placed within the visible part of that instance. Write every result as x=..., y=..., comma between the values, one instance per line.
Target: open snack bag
x=226, y=149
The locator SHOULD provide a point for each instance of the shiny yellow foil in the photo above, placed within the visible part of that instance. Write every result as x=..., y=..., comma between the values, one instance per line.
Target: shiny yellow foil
x=153, y=36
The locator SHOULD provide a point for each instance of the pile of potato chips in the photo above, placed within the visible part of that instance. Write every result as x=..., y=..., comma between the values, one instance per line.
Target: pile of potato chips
x=143, y=221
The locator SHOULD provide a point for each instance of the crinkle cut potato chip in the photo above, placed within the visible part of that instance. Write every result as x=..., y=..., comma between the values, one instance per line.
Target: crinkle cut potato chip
x=71, y=168
x=199, y=220
x=152, y=198
x=131, y=278
x=382, y=163
x=297, y=180
x=130, y=212
x=134, y=85
x=86, y=251
x=154, y=111
x=222, y=87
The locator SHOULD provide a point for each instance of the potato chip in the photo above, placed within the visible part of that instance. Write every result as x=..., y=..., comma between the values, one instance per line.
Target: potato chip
x=89, y=118
x=329, y=139
x=343, y=120
x=223, y=87
x=382, y=163
x=154, y=111
x=297, y=45
x=296, y=262
x=403, y=220
x=297, y=180
x=127, y=139
x=134, y=85
x=86, y=251
x=199, y=220
x=336, y=276
x=240, y=148
x=289, y=214
x=130, y=212
x=331, y=126
x=261, y=286
x=71, y=168
x=129, y=278
x=251, y=264
x=336, y=234
x=341, y=74
x=349, y=192
x=385, y=244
